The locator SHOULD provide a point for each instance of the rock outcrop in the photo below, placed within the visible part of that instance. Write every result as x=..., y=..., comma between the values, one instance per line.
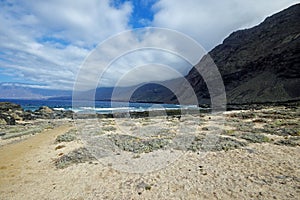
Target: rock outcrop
x=11, y=113
x=260, y=64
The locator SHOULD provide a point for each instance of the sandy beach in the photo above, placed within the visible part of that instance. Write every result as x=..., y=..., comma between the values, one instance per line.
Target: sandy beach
x=258, y=159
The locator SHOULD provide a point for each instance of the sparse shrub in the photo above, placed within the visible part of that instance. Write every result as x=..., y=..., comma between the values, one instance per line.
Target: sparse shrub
x=109, y=128
x=289, y=141
x=66, y=137
x=217, y=144
x=30, y=131
x=255, y=137
x=230, y=132
x=138, y=145
x=80, y=155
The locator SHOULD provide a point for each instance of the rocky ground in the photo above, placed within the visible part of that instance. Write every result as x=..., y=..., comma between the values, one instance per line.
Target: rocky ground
x=250, y=154
x=11, y=113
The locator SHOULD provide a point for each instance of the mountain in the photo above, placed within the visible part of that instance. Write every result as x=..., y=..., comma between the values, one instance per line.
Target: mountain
x=148, y=93
x=25, y=91
x=258, y=65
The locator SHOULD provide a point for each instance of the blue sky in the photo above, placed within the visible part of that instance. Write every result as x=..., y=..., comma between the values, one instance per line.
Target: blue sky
x=46, y=42
x=142, y=13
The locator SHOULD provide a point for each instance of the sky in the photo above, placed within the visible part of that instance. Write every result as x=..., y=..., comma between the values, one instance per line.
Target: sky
x=44, y=44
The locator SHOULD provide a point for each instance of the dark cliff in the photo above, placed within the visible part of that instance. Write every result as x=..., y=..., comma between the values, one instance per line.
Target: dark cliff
x=258, y=65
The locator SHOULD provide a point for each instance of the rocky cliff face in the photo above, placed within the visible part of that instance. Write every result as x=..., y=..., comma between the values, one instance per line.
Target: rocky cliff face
x=260, y=64
x=11, y=113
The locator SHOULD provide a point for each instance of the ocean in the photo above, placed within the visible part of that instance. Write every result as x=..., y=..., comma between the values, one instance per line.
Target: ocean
x=100, y=106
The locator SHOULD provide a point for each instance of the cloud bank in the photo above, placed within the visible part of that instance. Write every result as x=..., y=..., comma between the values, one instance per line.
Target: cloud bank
x=210, y=21
x=46, y=42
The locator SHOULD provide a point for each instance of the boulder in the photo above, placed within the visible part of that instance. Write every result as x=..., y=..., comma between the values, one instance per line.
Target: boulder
x=9, y=113
x=7, y=106
x=28, y=115
x=7, y=118
x=45, y=112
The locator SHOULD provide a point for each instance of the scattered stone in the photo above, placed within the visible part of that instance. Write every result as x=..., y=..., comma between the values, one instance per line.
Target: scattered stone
x=136, y=156
x=205, y=128
x=60, y=147
x=142, y=187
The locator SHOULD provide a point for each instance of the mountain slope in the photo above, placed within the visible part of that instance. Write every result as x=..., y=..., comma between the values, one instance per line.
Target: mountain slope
x=260, y=64
x=23, y=91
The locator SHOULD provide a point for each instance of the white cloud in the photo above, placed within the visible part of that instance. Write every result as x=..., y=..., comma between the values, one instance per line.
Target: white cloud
x=145, y=65
x=47, y=41
x=24, y=85
x=210, y=21
x=124, y=53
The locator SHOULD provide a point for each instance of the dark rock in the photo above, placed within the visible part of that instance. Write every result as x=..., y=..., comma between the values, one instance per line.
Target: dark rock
x=59, y=147
x=68, y=114
x=7, y=106
x=8, y=119
x=10, y=112
x=260, y=64
x=45, y=112
x=28, y=115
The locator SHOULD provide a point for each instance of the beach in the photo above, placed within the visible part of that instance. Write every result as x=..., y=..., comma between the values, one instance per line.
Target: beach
x=256, y=156
x=132, y=100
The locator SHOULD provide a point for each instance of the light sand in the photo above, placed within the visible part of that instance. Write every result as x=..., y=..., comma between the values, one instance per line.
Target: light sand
x=258, y=171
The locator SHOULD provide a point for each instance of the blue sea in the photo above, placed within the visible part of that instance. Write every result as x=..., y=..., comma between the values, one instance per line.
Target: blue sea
x=98, y=106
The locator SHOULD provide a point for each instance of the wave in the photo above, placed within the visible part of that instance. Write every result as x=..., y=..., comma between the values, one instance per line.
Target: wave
x=60, y=109
x=128, y=109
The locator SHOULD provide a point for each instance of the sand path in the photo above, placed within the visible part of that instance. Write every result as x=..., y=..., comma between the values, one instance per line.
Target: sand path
x=17, y=156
